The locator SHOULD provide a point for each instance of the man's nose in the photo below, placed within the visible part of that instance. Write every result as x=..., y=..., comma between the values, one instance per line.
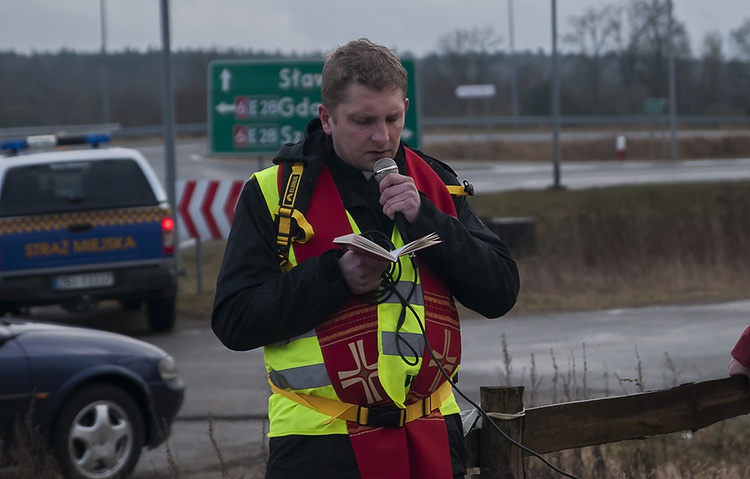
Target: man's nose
x=379, y=133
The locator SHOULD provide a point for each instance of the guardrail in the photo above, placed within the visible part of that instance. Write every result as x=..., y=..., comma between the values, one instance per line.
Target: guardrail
x=427, y=122
x=582, y=120
x=57, y=129
x=557, y=427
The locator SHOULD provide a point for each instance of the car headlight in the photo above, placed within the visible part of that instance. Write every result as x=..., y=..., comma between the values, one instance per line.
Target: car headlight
x=167, y=368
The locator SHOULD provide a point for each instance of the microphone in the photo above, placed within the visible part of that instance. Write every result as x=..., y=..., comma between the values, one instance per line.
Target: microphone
x=382, y=168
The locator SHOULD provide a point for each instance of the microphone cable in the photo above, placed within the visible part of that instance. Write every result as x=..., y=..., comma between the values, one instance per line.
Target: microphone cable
x=388, y=288
x=389, y=279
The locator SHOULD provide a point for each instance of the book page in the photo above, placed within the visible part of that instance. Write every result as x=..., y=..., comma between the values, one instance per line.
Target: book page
x=363, y=245
x=416, y=245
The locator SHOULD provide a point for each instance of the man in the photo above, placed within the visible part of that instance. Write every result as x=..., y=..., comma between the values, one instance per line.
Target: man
x=739, y=362
x=357, y=348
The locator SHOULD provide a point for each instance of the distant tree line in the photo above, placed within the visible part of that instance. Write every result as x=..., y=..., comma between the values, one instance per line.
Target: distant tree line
x=614, y=59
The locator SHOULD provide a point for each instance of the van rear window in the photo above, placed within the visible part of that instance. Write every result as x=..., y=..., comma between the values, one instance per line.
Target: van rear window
x=74, y=186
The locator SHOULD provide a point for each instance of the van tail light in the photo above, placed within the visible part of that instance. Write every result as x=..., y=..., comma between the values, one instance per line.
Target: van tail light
x=168, y=235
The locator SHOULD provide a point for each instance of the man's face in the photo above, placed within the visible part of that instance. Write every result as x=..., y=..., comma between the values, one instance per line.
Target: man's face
x=367, y=126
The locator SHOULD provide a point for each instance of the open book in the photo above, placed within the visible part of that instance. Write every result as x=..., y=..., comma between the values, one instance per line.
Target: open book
x=362, y=245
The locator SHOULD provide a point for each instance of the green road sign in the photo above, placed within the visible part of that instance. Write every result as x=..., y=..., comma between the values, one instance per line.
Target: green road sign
x=254, y=107
x=654, y=105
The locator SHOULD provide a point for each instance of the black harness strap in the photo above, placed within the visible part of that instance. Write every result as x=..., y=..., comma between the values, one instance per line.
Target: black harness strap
x=298, y=184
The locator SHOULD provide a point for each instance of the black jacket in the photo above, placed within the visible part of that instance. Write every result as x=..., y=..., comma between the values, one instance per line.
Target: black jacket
x=257, y=304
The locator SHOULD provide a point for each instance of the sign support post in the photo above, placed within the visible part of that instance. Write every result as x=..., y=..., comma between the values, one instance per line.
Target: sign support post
x=469, y=92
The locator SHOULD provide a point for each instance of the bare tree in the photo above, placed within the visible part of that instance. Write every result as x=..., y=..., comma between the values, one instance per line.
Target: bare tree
x=593, y=35
x=642, y=37
x=625, y=31
x=741, y=38
x=475, y=40
x=711, y=65
x=652, y=19
x=468, y=50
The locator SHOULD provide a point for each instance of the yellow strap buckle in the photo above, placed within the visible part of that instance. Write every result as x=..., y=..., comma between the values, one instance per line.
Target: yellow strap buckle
x=374, y=416
x=461, y=190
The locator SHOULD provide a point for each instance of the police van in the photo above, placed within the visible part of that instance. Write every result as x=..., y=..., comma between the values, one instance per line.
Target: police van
x=83, y=225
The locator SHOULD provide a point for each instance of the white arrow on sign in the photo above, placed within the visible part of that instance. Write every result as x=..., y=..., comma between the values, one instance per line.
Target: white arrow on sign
x=226, y=79
x=224, y=108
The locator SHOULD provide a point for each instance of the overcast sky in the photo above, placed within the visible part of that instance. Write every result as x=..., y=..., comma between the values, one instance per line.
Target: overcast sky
x=298, y=26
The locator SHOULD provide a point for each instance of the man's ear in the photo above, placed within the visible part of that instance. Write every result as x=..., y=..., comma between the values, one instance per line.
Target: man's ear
x=325, y=118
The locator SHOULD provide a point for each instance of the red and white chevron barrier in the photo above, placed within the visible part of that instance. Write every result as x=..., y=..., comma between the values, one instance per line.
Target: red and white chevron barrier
x=205, y=208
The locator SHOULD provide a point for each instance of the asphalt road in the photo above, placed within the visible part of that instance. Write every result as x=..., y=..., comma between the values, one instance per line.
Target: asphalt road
x=192, y=161
x=572, y=356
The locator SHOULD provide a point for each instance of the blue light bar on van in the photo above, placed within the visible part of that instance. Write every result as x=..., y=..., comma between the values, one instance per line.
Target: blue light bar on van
x=48, y=141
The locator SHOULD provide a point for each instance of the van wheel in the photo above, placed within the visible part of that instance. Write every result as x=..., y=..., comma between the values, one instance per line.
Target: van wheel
x=161, y=314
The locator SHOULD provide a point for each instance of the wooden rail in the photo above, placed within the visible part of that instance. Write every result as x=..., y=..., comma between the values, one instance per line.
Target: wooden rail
x=557, y=427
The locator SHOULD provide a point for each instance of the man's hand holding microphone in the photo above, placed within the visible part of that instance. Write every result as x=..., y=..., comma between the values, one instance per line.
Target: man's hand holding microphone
x=401, y=202
x=398, y=194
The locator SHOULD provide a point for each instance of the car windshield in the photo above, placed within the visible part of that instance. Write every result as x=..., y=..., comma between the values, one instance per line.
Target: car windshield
x=74, y=186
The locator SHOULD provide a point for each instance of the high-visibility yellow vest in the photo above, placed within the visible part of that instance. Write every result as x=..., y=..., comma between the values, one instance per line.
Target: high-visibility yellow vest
x=297, y=364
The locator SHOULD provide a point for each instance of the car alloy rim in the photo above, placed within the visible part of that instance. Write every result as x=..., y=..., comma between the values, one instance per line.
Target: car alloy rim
x=100, y=440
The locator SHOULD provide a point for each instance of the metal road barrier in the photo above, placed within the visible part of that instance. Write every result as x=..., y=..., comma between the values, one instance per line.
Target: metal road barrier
x=429, y=122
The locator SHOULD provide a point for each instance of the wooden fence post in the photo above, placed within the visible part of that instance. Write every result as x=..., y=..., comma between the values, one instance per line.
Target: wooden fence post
x=498, y=458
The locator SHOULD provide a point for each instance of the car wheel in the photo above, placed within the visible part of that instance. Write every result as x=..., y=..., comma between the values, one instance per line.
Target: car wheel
x=161, y=314
x=99, y=434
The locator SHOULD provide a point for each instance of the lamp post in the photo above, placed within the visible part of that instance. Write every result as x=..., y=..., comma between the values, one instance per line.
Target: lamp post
x=513, y=77
x=672, y=87
x=168, y=108
x=105, y=66
x=555, y=101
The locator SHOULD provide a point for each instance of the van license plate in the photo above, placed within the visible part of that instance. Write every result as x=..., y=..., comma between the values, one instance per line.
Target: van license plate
x=82, y=281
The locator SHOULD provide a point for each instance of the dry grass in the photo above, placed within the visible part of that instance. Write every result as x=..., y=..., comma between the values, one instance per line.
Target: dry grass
x=597, y=249
x=30, y=458
x=631, y=245
x=716, y=452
